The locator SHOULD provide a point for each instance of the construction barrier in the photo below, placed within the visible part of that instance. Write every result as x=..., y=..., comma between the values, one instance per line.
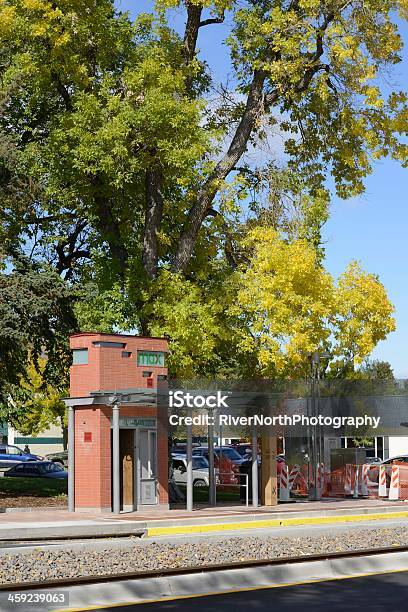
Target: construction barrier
x=399, y=482
x=394, y=493
x=382, y=482
x=348, y=481
x=364, y=479
x=403, y=484
x=351, y=480
x=294, y=472
x=372, y=481
x=367, y=480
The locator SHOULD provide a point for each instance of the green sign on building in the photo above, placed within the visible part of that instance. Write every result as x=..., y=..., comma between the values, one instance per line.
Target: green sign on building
x=150, y=358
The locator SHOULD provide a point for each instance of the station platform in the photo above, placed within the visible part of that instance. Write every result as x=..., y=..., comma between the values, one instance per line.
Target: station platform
x=59, y=524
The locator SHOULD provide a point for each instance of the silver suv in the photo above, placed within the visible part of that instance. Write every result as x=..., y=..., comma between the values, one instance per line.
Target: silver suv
x=200, y=471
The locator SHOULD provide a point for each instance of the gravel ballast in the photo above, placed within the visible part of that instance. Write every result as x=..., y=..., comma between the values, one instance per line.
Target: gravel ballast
x=40, y=565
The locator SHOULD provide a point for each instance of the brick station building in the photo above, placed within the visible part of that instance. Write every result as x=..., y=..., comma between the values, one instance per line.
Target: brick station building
x=117, y=440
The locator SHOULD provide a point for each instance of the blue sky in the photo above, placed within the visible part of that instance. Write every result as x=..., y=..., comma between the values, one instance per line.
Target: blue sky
x=371, y=229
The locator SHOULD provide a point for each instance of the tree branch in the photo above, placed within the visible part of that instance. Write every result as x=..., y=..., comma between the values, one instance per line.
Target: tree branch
x=222, y=169
x=257, y=101
x=194, y=12
x=52, y=218
x=212, y=20
x=62, y=90
x=68, y=251
x=231, y=255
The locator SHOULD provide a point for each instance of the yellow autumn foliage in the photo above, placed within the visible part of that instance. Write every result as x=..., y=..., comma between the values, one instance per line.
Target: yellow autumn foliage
x=292, y=306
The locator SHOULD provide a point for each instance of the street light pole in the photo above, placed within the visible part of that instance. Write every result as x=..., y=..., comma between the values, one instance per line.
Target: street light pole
x=316, y=430
x=211, y=476
x=314, y=447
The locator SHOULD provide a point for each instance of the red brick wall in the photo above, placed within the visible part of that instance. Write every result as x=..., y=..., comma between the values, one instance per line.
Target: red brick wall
x=92, y=459
x=108, y=370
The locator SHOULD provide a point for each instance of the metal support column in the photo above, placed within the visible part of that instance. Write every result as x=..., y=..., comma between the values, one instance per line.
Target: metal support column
x=71, y=459
x=316, y=450
x=211, y=475
x=254, y=467
x=115, y=459
x=314, y=444
x=189, y=465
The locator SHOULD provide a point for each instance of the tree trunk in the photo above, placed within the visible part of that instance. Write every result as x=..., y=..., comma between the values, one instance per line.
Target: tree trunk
x=110, y=230
x=153, y=217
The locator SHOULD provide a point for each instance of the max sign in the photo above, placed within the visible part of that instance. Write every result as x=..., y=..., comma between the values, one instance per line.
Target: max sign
x=150, y=358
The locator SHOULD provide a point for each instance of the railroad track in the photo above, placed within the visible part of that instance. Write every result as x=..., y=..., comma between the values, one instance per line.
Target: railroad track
x=199, y=569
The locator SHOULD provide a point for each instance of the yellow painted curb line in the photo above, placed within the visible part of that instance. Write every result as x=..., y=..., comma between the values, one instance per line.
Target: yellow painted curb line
x=315, y=520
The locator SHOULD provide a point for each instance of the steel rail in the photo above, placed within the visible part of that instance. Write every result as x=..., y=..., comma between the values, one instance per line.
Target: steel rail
x=72, y=538
x=197, y=569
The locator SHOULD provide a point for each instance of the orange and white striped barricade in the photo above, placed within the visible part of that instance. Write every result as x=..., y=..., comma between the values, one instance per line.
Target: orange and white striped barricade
x=395, y=483
x=284, y=491
x=348, y=479
x=293, y=475
x=382, y=482
x=364, y=479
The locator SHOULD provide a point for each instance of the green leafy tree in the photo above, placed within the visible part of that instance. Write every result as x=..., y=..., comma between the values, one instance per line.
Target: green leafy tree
x=36, y=317
x=109, y=120
x=123, y=172
x=376, y=370
x=37, y=405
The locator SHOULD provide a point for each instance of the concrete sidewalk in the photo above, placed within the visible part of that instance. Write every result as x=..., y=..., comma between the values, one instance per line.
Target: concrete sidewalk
x=64, y=525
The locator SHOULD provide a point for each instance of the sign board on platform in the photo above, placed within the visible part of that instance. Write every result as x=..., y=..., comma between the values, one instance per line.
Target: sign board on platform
x=133, y=422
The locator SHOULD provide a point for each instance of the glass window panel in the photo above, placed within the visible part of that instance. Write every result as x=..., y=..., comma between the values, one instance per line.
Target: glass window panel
x=80, y=356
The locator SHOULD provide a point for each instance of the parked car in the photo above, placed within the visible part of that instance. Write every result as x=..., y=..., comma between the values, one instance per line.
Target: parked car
x=180, y=448
x=375, y=469
x=60, y=458
x=397, y=459
x=225, y=451
x=200, y=471
x=37, y=469
x=13, y=455
x=243, y=448
x=226, y=468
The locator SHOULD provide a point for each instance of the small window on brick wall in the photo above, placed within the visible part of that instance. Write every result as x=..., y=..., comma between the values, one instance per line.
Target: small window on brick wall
x=126, y=354
x=147, y=374
x=80, y=356
x=103, y=343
